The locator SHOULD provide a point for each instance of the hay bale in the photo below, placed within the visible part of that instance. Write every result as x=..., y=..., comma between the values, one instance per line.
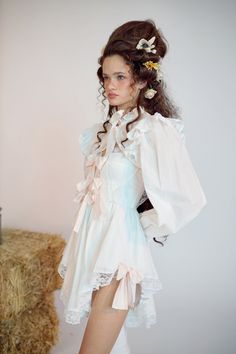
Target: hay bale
x=28, y=277
x=35, y=331
x=28, y=269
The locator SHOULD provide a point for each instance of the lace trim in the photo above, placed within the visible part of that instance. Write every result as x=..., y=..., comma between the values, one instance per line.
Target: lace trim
x=143, y=312
x=102, y=279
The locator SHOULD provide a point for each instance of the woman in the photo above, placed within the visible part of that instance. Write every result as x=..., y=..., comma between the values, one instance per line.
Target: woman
x=139, y=185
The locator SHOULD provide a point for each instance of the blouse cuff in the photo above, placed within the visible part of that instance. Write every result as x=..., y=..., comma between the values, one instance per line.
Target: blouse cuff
x=150, y=224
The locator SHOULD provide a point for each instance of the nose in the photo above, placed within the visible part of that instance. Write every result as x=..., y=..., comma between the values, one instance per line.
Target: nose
x=109, y=84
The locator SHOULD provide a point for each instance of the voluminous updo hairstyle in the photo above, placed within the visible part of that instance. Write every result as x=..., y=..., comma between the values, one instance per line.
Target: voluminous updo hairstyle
x=123, y=41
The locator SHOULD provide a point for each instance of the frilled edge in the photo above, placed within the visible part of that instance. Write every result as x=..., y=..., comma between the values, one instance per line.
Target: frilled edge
x=146, y=124
x=142, y=126
x=134, y=290
x=88, y=137
x=176, y=123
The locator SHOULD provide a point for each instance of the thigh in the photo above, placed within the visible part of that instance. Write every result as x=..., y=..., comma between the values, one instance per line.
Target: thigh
x=104, y=322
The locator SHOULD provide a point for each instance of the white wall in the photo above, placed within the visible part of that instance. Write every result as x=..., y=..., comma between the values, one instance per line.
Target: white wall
x=49, y=51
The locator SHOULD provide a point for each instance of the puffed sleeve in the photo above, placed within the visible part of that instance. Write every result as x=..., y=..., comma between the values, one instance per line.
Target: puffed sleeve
x=87, y=139
x=169, y=178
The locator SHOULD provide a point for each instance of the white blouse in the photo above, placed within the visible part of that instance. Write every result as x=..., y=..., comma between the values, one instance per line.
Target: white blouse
x=157, y=146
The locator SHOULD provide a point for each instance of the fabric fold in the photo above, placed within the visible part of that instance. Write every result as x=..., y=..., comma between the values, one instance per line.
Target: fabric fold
x=170, y=180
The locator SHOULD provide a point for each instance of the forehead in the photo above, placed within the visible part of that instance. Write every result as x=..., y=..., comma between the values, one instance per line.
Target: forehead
x=114, y=64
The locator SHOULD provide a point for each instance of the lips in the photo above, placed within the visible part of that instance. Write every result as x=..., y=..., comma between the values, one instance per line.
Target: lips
x=112, y=95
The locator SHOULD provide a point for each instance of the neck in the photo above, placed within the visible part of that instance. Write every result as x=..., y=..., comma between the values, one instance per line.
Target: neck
x=126, y=110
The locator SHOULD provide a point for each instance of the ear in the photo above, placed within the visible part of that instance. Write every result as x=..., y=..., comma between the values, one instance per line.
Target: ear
x=142, y=84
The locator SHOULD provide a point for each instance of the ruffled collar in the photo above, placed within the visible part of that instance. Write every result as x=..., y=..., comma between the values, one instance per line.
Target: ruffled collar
x=119, y=118
x=117, y=133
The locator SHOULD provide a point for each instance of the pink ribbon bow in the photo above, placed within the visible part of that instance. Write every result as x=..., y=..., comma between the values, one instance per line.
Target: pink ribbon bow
x=126, y=291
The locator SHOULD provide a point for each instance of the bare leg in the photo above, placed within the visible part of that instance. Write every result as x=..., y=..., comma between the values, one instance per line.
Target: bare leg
x=104, y=323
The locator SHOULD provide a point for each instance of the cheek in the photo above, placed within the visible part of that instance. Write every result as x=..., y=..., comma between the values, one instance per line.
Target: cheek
x=125, y=86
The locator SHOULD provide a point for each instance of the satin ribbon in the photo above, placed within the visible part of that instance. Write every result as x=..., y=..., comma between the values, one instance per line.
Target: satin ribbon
x=126, y=291
x=91, y=184
x=114, y=135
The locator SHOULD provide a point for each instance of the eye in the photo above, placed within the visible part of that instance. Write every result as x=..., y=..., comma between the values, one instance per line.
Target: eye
x=120, y=77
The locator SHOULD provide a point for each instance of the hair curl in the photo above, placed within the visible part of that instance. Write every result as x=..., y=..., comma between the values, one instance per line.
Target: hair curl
x=123, y=41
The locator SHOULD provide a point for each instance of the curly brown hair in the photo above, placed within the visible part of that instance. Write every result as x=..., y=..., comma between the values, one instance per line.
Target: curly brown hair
x=123, y=41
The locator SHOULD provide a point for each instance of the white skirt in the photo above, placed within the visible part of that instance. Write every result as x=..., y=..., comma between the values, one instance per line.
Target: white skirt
x=100, y=249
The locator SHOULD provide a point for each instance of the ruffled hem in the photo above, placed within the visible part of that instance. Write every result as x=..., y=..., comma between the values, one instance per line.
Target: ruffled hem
x=142, y=311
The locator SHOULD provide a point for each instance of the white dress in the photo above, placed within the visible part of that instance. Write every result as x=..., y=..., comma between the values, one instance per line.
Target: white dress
x=110, y=238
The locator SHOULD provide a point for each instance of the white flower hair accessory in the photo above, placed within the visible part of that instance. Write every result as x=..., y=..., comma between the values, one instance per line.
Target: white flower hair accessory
x=150, y=65
x=147, y=45
x=150, y=93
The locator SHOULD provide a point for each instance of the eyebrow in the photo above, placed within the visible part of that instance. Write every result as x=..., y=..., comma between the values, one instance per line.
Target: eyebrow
x=117, y=72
